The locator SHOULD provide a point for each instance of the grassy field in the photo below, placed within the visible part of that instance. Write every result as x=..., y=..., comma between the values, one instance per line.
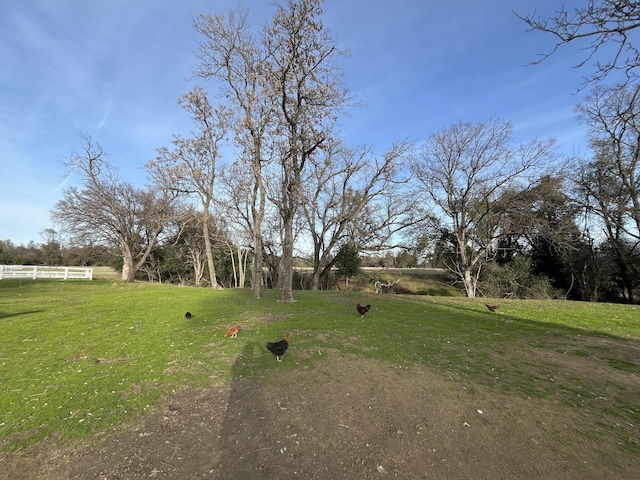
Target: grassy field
x=79, y=356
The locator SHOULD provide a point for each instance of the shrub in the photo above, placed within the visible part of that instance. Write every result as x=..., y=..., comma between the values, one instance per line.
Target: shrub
x=515, y=279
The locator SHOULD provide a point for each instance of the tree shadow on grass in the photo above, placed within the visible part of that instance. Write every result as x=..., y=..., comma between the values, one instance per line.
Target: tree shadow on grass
x=251, y=431
x=227, y=431
x=17, y=314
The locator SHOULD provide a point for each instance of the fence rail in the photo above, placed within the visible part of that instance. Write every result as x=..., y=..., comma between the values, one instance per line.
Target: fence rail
x=43, y=271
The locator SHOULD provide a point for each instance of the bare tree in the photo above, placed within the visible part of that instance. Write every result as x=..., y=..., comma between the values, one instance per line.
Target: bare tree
x=188, y=243
x=285, y=94
x=190, y=237
x=353, y=195
x=191, y=167
x=604, y=199
x=239, y=256
x=230, y=54
x=607, y=27
x=542, y=213
x=237, y=203
x=107, y=211
x=51, y=250
x=306, y=81
x=473, y=175
x=613, y=116
x=609, y=185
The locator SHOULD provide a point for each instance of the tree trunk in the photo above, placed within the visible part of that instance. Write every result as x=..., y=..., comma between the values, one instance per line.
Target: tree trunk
x=233, y=263
x=257, y=214
x=242, y=266
x=198, y=268
x=315, y=282
x=128, y=269
x=470, y=283
x=321, y=269
x=287, y=262
x=315, y=277
x=209, y=252
x=256, y=266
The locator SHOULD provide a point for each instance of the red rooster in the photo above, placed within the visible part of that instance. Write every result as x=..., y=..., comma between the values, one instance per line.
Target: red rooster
x=278, y=348
x=362, y=310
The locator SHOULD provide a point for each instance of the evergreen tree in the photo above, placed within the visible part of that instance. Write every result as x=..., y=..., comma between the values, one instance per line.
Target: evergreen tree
x=348, y=261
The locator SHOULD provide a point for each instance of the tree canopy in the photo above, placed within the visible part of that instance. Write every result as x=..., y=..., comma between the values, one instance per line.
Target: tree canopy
x=110, y=212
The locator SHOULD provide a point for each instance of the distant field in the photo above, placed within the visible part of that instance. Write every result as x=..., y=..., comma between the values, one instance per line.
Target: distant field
x=419, y=281
x=416, y=281
x=105, y=273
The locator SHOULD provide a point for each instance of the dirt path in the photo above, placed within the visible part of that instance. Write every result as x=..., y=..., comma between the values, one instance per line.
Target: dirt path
x=343, y=417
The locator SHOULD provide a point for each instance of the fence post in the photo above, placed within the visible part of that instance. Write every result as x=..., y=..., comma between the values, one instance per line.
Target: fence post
x=35, y=272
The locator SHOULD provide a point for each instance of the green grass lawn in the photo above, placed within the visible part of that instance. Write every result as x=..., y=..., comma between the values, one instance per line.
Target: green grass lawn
x=79, y=356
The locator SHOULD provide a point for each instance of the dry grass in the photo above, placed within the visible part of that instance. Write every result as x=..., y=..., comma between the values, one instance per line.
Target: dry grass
x=106, y=273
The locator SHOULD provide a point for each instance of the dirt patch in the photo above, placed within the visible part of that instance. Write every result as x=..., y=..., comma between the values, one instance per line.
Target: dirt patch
x=342, y=417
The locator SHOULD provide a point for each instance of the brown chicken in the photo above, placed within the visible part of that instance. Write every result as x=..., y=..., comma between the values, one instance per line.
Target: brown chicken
x=233, y=331
x=493, y=308
x=362, y=310
x=278, y=348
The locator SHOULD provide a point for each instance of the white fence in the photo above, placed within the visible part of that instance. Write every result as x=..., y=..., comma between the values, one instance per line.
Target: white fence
x=42, y=271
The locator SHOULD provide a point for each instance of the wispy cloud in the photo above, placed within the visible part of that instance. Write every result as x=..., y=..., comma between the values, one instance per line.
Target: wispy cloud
x=63, y=183
x=115, y=68
x=105, y=113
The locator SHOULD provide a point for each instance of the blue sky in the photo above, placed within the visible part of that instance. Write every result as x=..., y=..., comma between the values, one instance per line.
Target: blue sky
x=114, y=69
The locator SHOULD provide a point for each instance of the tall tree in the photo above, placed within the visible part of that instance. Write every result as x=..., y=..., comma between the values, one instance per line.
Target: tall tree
x=51, y=250
x=474, y=175
x=190, y=243
x=109, y=212
x=230, y=54
x=190, y=168
x=285, y=91
x=354, y=195
x=609, y=184
x=613, y=117
x=545, y=229
x=306, y=81
x=243, y=213
x=606, y=28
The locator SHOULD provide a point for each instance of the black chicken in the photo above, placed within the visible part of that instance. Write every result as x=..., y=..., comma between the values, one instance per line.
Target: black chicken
x=278, y=348
x=188, y=315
